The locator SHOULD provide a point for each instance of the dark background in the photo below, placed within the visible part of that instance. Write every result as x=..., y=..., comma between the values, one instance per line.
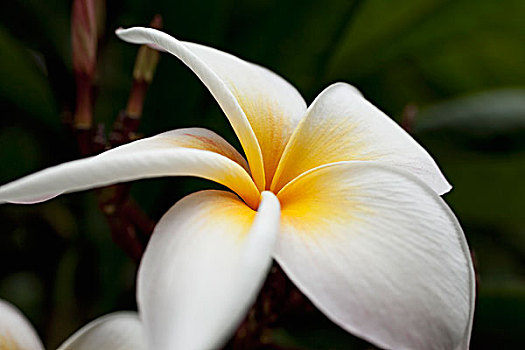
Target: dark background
x=455, y=67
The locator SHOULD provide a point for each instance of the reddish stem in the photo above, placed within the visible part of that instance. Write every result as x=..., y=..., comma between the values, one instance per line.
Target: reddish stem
x=84, y=108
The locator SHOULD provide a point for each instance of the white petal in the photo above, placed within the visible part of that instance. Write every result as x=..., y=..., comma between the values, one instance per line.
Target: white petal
x=16, y=333
x=116, y=331
x=203, y=267
x=190, y=152
x=380, y=253
x=341, y=125
x=262, y=107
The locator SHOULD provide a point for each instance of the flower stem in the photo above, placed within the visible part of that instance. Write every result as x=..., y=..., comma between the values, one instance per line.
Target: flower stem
x=125, y=218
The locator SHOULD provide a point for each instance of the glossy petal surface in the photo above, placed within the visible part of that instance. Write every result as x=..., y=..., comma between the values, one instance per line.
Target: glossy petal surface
x=117, y=331
x=190, y=152
x=262, y=107
x=16, y=333
x=341, y=125
x=203, y=268
x=380, y=254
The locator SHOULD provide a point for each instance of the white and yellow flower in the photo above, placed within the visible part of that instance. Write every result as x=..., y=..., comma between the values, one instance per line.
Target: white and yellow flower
x=116, y=331
x=345, y=201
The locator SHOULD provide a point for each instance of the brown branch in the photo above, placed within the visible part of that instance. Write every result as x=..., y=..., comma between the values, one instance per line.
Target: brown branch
x=84, y=97
x=112, y=202
x=137, y=217
x=124, y=216
x=278, y=300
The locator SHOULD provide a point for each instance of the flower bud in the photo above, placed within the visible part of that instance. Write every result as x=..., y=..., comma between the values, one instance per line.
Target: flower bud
x=84, y=36
x=143, y=72
x=147, y=58
x=84, y=45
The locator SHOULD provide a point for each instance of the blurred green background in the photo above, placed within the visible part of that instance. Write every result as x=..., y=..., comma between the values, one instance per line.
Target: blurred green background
x=453, y=70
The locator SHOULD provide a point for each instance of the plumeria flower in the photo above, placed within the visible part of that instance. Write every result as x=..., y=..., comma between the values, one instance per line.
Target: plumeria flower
x=116, y=331
x=337, y=193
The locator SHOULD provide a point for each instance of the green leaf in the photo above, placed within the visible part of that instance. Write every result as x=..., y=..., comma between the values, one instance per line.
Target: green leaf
x=21, y=150
x=423, y=50
x=492, y=121
x=24, y=82
x=423, y=28
x=482, y=114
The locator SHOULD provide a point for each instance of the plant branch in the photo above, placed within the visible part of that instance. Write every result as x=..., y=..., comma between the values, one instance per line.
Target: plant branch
x=279, y=299
x=125, y=218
